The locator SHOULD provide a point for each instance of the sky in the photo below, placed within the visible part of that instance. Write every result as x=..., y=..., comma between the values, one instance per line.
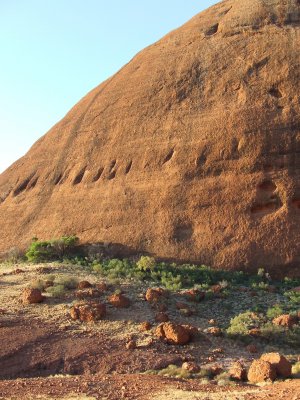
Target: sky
x=52, y=52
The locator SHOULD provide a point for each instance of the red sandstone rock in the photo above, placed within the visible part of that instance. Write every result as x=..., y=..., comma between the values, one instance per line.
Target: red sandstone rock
x=102, y=286
x=282, y=365
x=285, y=320
x=32, y=296
x=154, y=295
x=173, y=333
x=261, y=371
x=119, y=301
x=214, y=330
x=88, y=312
x=84, y=285
x=191, y=367
x=194, y=295
x=238, y=371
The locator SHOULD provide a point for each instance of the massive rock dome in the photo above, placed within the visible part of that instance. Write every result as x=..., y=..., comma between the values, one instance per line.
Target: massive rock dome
x=191, y=151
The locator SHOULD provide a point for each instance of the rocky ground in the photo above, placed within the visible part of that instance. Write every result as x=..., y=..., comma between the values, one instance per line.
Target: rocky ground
x=47, y=352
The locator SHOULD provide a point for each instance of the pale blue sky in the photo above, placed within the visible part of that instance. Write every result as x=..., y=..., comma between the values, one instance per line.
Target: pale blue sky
x=52, y=52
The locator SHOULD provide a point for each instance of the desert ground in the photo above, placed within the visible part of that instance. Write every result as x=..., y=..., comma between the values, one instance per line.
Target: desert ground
x=47, y=354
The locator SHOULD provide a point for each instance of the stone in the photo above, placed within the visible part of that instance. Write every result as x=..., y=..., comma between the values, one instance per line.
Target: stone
x=154, y=295
x=254, y=332
x=191, y=367
x=282, y=365
x=285, y=320
x=102, y=286
x=165, y=122
x=194, y=295
x=84, y=285
x=87, y=293
x=214, y=330
x=238, y=371
x=32, y=296
x=88, y=312
x=261, y=371
x=173, y=333
x=119, y=300
x=216, y=370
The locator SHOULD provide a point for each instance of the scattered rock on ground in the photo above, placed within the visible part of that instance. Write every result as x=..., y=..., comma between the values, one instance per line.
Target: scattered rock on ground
x=194, y=295
x=261, y=371
x=88, y=312
x=154, y=295
x=191, y=367
x=285, y=320
x=119, y=300
x=32, y=296
x=84, y=285
x=173, y=333
x=214, y=330
x=238, y=371
x=282, y=365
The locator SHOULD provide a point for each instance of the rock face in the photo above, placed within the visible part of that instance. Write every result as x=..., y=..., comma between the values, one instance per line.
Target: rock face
x=191, y=151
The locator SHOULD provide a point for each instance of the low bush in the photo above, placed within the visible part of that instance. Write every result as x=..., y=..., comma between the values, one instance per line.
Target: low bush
x=56, y=249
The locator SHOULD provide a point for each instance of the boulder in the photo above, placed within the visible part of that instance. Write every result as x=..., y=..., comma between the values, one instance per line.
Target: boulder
x=191, y=367
x=285, y=320
x=88, y=312
x=282, y=365
x=173, y=333
x=84, y=285
x=238, y=371
x=261, y=371
x=154, y=295
x=32, y=296
x=119, y=300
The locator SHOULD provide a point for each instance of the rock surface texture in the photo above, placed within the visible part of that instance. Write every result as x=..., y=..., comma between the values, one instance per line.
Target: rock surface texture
x=191, y=151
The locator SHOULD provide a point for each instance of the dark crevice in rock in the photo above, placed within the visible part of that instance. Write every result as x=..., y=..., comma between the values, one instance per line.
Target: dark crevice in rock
x=128, y=167
x=275, y=92
x=23, y=186
x=212, y=30
x=168, y=156
x=79, y=176
x=112, y=175
x=98, y=175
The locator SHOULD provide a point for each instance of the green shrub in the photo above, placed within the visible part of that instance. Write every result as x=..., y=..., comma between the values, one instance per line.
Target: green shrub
x=274, y=311
x=56, y=291
x=68, y=282
x=57, y=249
x=146, y=263
x=242, y=323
